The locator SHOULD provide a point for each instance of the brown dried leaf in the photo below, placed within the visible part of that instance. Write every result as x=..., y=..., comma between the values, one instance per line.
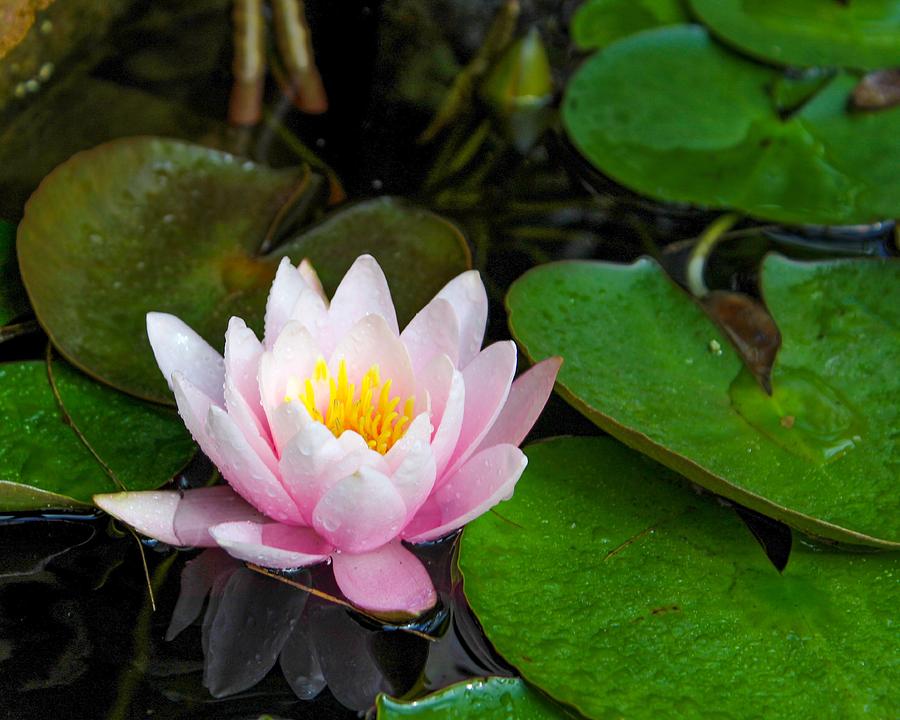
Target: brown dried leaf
x=750, y=328
x=16, y=17
x=878, y=90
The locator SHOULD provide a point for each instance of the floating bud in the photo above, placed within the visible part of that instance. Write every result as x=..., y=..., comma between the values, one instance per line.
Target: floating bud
x=519, y=89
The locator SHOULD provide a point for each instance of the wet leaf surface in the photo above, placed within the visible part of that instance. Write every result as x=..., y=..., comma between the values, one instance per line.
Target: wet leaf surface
x=153, y=224
x=40, y=453
x=146, y=224
x=857, y=34
x=644, y=362
x=44, y=464
x=597, y=23
x=492, y=697
x=612, y=587
x=671, y=114
x=143, y=445
x=13, y=301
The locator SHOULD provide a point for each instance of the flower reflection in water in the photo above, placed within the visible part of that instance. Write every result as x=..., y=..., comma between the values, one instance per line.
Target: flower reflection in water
x=253, y=621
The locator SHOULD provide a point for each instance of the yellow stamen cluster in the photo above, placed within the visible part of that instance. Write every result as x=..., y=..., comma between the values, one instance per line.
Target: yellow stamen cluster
x=371, y=412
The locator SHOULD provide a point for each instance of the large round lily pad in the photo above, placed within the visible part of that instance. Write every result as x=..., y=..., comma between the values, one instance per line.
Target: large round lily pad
x=58, y=450
x=147, y=224
x=616, y=589
x=645, y=363
x=857, y=34
x=671, y=114
x=493, y=698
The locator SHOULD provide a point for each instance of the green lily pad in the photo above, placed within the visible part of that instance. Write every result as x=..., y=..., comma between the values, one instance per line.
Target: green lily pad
x=493, y=697
x=597, y=23
x=671, y=114
x=45, y=461
x=143, y=445
x=858, y=34
x=615, y=589
x=13, y=301
x=644, y=362
x=145, y=224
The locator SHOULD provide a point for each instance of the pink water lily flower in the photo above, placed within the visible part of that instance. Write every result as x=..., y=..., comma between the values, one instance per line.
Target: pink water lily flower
x=339, y=436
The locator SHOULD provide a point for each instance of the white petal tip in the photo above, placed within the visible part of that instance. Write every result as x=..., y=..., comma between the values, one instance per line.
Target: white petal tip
x=150, y=513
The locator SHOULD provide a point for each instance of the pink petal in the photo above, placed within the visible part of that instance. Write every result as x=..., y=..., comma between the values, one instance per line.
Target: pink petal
x=390, y=582
x=527, y=397
x=178, y=348
x=255, y=432
x=314, y=460
x=411, y=464
x=176, y=518
x=360, y=512
x=202, y=508
x=311, y=311
x=447, y=392
x=417, y=434
x=242, y=355
x=286, y=420
x=293, y=355
x=193, y=406
x=247, y=473
x=271, y=545
x=481, y=483
x=286, y=288
x=433, y=331
x=150, y=513
x=309, y=274
x=372, y=342
x=488, y=378
x=469, y=300
x=363, y=291
x=304, y=460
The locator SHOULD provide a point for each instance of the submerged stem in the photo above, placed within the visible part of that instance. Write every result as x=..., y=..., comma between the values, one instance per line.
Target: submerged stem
x=8, y=332
x=703, y=249
x=132, y=674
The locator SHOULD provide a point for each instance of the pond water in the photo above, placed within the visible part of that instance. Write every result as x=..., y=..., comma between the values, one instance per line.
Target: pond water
x=79, y=637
